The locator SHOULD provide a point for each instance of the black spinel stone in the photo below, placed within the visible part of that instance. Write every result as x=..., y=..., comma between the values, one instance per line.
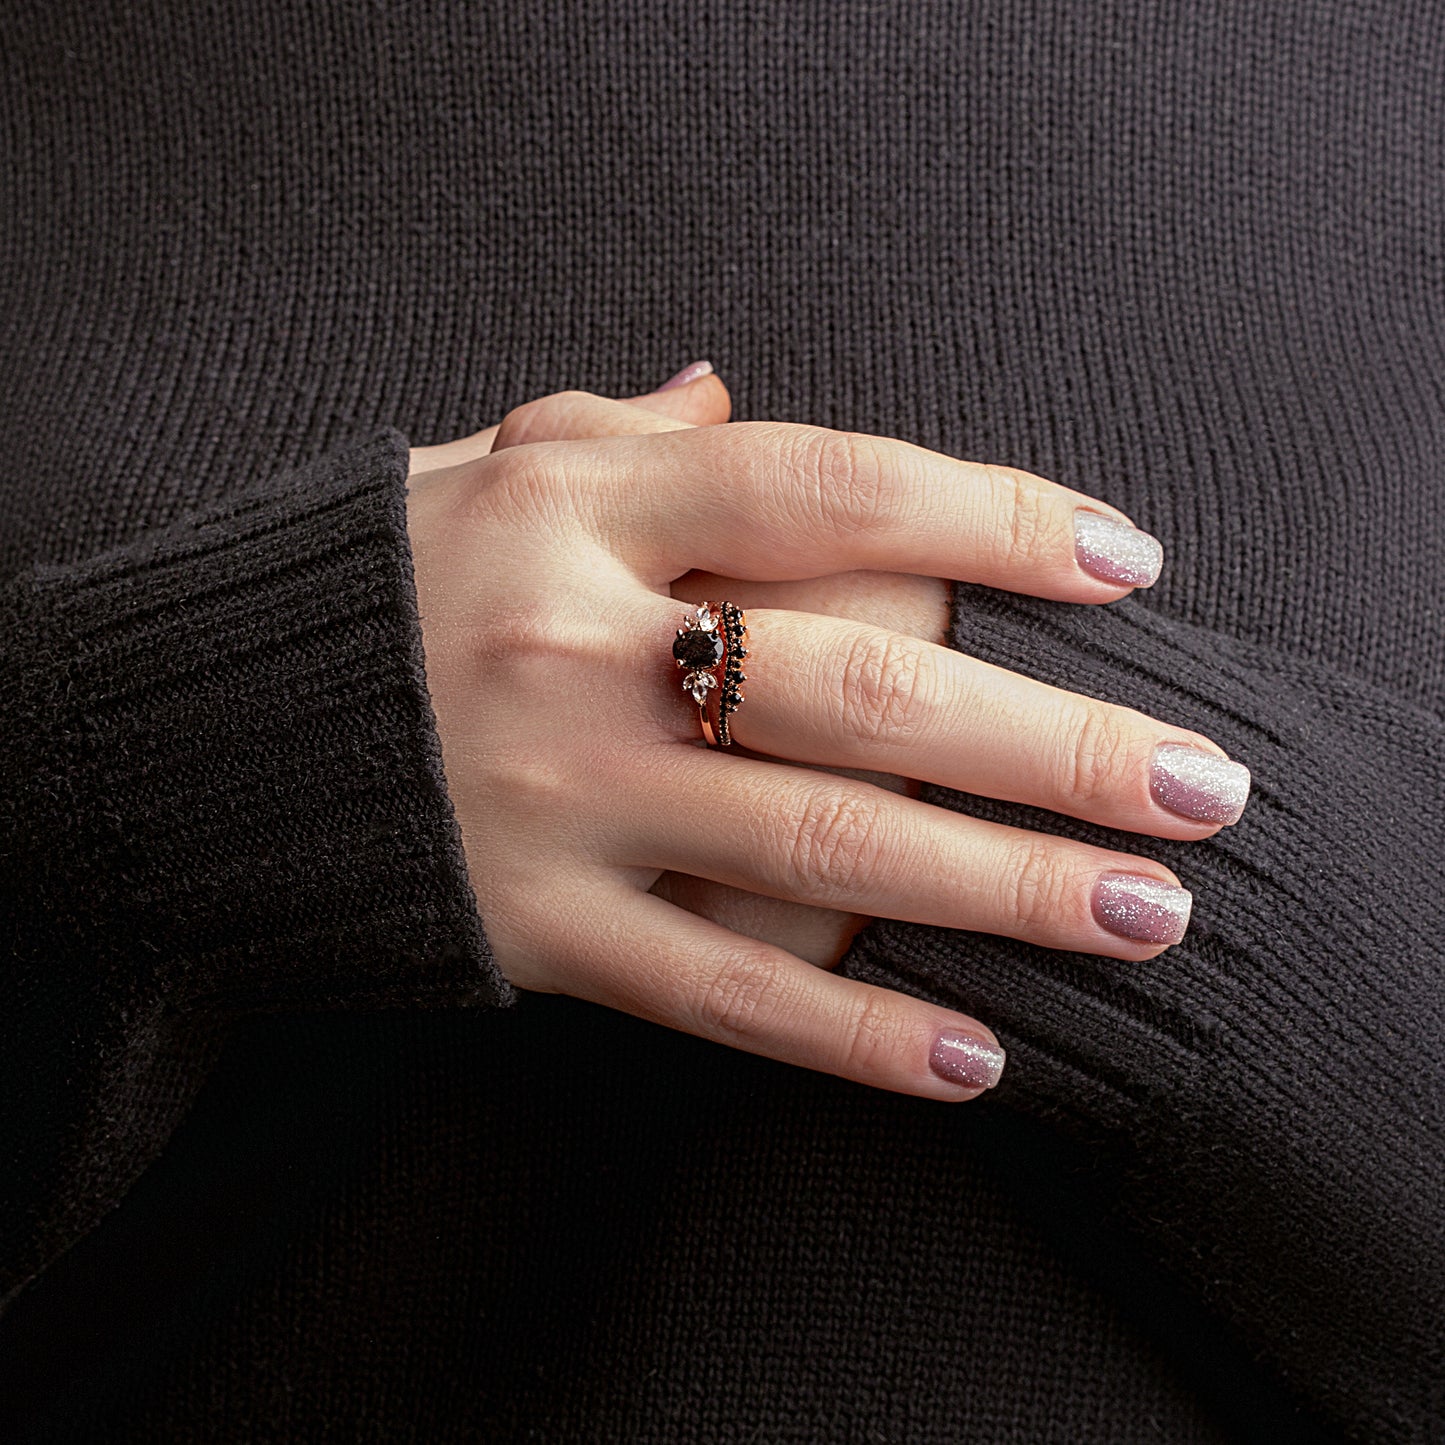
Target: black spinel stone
x=698, y=648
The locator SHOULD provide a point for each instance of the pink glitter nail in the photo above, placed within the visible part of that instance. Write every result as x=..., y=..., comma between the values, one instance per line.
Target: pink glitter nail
x=1147, y=910
x=966, y=1059
x=1198, y=784
x=1113, y=551
x=690, y=372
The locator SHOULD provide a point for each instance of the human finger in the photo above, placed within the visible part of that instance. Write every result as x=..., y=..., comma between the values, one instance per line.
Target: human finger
x=663, y=963
x=773, y=500
x=903, y=601
x=819, y=935
x=897, y=600
x=699, y=398
x=573, y=414
x=835, y=842
x=838, y=693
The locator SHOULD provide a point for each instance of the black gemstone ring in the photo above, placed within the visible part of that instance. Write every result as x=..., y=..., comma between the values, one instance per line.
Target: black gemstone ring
x=709, y=648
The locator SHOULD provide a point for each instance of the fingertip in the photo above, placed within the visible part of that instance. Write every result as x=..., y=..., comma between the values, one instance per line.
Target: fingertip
x=693, y=371
x=1116, y=551
x=701, y=399
x=1200, y=784
x=709, y=395
x=720, y=398
x=967, y=1056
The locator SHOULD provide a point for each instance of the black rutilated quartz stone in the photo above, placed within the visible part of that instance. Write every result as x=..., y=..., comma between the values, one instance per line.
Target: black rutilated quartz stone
x=696, y=648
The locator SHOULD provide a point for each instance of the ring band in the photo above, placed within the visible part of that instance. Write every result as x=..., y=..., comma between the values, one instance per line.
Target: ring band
x=709, y=648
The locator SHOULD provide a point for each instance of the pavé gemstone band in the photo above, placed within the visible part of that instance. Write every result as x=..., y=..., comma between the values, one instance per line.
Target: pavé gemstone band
x=709, y=648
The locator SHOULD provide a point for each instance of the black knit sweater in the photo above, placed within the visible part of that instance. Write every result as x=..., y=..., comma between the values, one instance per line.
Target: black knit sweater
x=282, y=1155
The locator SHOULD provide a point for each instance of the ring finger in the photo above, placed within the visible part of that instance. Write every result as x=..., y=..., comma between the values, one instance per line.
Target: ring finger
x=837, y=693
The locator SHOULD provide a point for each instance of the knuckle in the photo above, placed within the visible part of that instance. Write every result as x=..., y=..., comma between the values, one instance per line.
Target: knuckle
x=516, y=634
x=835, y=845
x=845, y=479
x=885, y=692
x=534, y=420
x=1036, y=887
x=873, y=1037
x=1023, y=515
x=485, y=477
x=467, y=502
x=1096, y=756
x=525, y=484
x=519, y=425
x=739, y=997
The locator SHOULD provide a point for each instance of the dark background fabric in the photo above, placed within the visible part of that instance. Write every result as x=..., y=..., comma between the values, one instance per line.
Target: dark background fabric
x=278, y=1171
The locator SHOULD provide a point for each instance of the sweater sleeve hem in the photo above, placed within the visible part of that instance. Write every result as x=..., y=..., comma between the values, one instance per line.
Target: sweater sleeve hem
x=1225, y=1087
x=233, y=734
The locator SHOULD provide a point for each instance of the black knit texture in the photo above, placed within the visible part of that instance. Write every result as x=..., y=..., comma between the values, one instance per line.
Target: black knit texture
x=270, y=1166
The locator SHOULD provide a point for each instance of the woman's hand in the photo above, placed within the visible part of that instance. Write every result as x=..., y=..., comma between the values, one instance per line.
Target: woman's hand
x=895, y=600
x=571, y=753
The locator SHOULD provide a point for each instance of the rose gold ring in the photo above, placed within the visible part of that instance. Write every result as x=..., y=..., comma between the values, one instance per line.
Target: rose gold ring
x=709, y=648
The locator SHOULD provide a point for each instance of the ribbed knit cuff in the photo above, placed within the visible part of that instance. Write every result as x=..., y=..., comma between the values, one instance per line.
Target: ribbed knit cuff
x=1268, y=1097
x=233, y=772
x=1330, y=758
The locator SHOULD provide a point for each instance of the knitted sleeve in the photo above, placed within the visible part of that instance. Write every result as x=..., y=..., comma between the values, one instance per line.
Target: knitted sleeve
x=220, y=791
x=1266, y=1102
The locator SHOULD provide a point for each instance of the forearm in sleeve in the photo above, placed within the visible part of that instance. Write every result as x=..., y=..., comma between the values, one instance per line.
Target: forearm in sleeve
x=1269, y=1095
x=222, y=792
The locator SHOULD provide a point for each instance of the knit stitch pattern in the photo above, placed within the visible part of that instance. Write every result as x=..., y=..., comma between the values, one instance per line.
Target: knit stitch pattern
x=283, y=1157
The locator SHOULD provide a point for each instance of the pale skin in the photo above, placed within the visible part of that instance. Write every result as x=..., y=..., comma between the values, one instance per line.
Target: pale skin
x=616, y=859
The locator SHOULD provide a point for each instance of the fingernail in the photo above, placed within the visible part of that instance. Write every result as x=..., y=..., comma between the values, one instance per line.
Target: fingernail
x=1113, y=551
x=690, y=372
x=1133, y=906
x=1197, y=784
x=966, y=1059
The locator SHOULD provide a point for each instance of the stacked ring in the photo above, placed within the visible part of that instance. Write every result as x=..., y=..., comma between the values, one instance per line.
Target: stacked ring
x=709, y=647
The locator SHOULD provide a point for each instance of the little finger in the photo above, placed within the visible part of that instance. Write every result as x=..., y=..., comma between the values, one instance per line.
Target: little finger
x=660, y=962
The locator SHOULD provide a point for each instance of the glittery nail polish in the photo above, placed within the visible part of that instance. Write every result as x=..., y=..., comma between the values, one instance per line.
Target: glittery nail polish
x=1144, y=909
x=966, y=1059
x=1197, y=784
x=690, y=372
x=1113, y=551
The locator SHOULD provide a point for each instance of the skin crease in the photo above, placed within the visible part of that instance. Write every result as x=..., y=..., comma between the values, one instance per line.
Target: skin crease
x=566, y=786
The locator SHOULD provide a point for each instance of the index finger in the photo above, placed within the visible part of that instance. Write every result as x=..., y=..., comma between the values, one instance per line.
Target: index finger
x=770, y=501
